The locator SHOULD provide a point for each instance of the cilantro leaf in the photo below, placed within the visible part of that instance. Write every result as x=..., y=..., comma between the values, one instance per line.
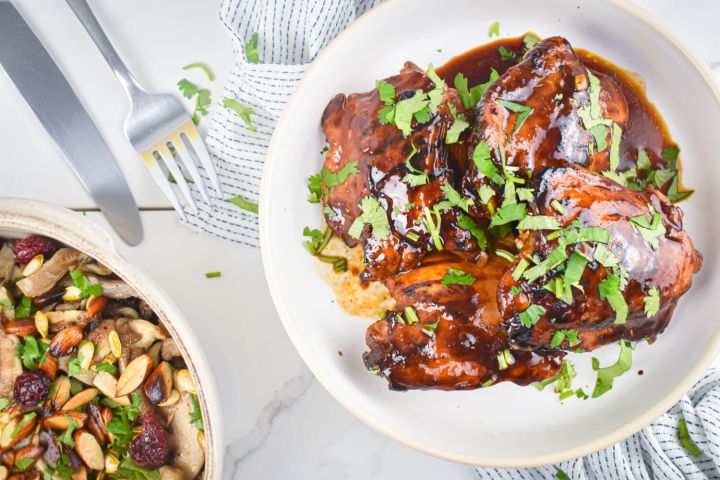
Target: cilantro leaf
x=554, y=258
x=106, y=366
x=506, y=54
x=429, y=328
x=455, y=199
x=494, y=29
x=455, y=276
x=466, y=222
x=651, y=302
x=4, y=402
x=684, y=437
x=651, y=230
x=670, y=155
x=373, y=214
x=435, y=95
x=243, y=111
x=132, y=471
x=386, y=92
x=66, y=438
x=416, y=177
x=563, y=380
x=674, y=193
x=606, y=375
x=484, y=163
x=244, y=203
x=508, y=213
x=251, y=51
x=539, y=222
x=561, y=475
x=406, y=109
x=187, y=88
x=202, y=98
x=609, y=290
x=531, y=315
x=87, y=288
x=30, y=352
x=314, y=184
x=458, y=126
x=433, y=222
x=24, y=309
x=523, y=112
x=333, y=179
x=196, y=414
x=530, y=39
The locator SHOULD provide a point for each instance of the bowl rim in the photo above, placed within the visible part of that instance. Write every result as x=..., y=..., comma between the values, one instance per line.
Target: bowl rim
x=604, y=441
x=74, y=230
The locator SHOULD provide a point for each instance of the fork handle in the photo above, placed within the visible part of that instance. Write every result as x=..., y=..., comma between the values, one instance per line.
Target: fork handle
x=87, y=19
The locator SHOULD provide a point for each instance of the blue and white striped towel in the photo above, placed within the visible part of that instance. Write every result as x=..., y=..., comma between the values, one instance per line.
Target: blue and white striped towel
x=291, y=34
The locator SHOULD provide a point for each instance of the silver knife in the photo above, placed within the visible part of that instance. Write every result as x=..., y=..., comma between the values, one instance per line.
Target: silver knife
x=55, y=104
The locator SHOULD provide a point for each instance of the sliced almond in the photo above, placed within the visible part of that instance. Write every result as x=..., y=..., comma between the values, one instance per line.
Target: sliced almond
x=184, y=381
x=8, y=459
x=81, y=399
x=107, y=384
x=33, y=265
x=3, y=473
x=111, y=463
x=115, y=344
x=60, y=392
x=171, y=473
x=172, y=399
x=12, y=434
x=158, y=386
x=42, y=323
x=134, y=375
x=22, y=327
x=95, y=306
x=65, y=340
x=49, y=366
x=60, y=421
x=86, y=353
x=89, y=450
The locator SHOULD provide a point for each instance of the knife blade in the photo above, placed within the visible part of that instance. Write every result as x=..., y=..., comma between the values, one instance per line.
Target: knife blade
x=52, y=99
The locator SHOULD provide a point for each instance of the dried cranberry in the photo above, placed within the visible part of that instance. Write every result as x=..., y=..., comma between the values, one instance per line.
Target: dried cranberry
x=25, y=249
x=31, y=388
x=150, y=449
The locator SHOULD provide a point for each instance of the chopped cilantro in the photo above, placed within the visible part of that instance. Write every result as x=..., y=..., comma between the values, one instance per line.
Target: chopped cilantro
x=561, y=475
x=684, y=437
x=674, y=193
x=213, y=274
x=505, y=54
x=523, y=112
x=242, y=111
x=106, y=366
x=670, y=155
x=530, y=40
x=411, y=317
x=66, y=438
x=485, y=192
x=429, y=328
x=531, y=315
x=458, y=126
x=538, y=222
x=30, y=352
x=455, y=276
x=202, y=98
x=4, y=402
x=87, y=288
x=563, y=380
x=615, y=136
x=130, y=470
x=554, y=258
x=386, y=92
x=466, y=222
x=494, y=29
x=520, y=268
x=409, y=108
x=651, y=229
x=605, y=257
x=196, y=414
x=251, y=51
x=316, y=243
x=23, y=463
x=560, y=335
x=244, y=203
x=24, y=309
x=515, y=290
x=27, y=418
x=505, y=254
x=373, y=214
x=314, y=184
x=606, y=375
x=433, y=221
x=416, y=177
x=508, y=213
x=652, y=302
x=484, y=163
x=455, y=199
x=609, y=290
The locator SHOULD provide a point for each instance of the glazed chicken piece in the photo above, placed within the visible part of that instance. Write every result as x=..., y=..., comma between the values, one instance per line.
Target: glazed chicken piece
x=621, y=280
x=457, y=342
x=372, y=156
x=547, y=111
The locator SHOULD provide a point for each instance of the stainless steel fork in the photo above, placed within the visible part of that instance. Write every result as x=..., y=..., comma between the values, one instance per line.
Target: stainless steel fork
x=158, y=126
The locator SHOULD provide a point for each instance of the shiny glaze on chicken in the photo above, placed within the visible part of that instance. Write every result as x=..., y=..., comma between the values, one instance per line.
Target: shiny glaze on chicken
x=593, y=156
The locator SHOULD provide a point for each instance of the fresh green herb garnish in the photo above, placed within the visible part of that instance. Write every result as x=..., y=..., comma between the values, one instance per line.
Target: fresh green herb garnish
x=508, y=213
x=244, y=203
x=202, y=98
x=484, y=163
x=66, y=438
x=30, y=352
x=652, y=302
x=24, y=309
x=204, y=68
x=606, y=375
x=494, y=29
x=684, y=437
x=561, y=475
x=106, y=366
x=605, y=257
x=515, y=290
x=558, y=207
x=132, y=471
x=651, y=229
x=466, y=222
x=455, y=276
x=242, y=111
x=610, y=290
x=433, y=222
x=505, y=254
x=523, y=112
x=531, y=315
x=251, y=52
x=505, y=54
x=86, y=287
x=213, y=275
x=374, y=215
x=554, y=258
x=74, y=367
x=560, y=335
x=4, y=402
x=471, y=96
x=196, y=414
x=23, y=463
x=316, y=243
x=27, y=418
x=530, y=40
x=563, y=380
x=416, y=177
x=429, y=328
x=455, y=199
x=411, y=317
x=539, y=222
x=459, y=125
x=386, y=92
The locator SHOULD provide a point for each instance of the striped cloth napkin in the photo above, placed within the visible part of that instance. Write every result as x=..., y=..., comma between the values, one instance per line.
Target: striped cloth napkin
x=291, y=33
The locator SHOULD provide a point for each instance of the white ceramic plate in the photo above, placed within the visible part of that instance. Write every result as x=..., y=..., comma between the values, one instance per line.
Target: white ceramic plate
x=506, y=425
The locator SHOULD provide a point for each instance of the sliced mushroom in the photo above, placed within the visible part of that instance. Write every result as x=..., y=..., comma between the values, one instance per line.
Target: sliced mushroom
x=170, y=350
x=189, y=453
x=52, y=271
x=115, y=289
x=99, y=336
x=148, y=331
x=7, y=262
x=96, y=268
x=68, y=318
x=10, y=366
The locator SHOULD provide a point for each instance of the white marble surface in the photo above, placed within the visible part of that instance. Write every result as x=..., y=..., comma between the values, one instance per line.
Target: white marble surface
x=279, y=422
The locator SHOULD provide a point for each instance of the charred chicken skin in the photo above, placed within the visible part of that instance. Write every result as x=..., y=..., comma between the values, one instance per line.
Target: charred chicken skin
x=617, y=253
x=448, y=336
x=581, y=253
x=407, y=175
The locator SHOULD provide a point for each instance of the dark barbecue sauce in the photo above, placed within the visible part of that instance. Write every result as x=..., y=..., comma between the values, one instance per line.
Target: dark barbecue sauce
x=645, y=128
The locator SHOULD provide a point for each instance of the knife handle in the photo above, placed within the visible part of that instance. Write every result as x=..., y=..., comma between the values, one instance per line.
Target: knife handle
x=87, y=19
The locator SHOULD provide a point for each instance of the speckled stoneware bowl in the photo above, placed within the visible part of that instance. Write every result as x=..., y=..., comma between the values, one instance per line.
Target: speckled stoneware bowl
x=21, y=217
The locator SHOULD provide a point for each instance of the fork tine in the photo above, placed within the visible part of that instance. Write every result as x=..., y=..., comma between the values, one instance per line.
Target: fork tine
x=188, y=162
x=192, y=136
x=180, y=181
x=159, y=177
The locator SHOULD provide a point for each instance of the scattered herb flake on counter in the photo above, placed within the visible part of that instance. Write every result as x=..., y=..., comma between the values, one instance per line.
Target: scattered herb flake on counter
x=606, y=375
x=201, y=66
x=251, y=51
x=213, y=275
x=494, y=29
x=202, y=98
x=684, y=437
x=244, y=203
x=561, y=475
x=242, y=111
x=456, y=276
